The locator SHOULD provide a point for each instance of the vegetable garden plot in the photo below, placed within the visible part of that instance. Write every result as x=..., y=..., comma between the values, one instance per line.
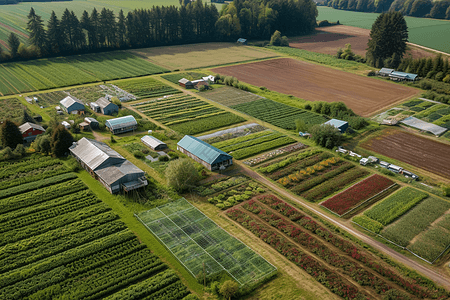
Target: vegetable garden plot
x=196, y=241
x=229, y=96
x=11, y=108
x=278, y=114
x=146, y=88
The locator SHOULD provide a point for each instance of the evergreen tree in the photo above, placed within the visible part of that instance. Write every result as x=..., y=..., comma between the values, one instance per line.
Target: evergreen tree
x=1, y=53
x=67, y=29
x=79, y=38
x=61, y=141
x=14, y=43
x=389, y=35
x=439, y=8
x=35, y=26
x=420, y=8
x=27, y=118
x=95, y=27
x=10, y=134
x=85, y=23
x=55, y=39
x=121, y=29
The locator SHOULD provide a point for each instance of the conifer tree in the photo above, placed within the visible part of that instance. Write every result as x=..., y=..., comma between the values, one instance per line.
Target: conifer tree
x=27, y=118
x=35, y=26
x=55, y=39
x=14, y=43
x=10, y=134
x=61, y=141
x=121, y=29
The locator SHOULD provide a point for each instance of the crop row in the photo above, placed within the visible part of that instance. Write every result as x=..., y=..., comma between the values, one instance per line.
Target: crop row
x=180, y=117
x=236, y=195
x=146, y=87
x=324, y=275
x=46, y=193
x=158, y=109
x=263, y=139
x=32, y=186
x=273, y=166
x=220, y=186
x=278, y=114
x=37, y=164
x=245, y=138
x=207, y=123
x=34, y=175
x=168, y=101
x=265, y=146
x=319, y=248
x=29, y=159
x=368, y=223
x=416, y=220
x=414, y=285
x=395, y=205
x=292, y=167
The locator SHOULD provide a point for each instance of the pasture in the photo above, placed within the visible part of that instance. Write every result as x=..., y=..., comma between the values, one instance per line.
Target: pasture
x=200, y=244
x=57, y=237
x=412, y=149
x=42, y=74
x=317, y=83
x=430, y=33
x=184, y=57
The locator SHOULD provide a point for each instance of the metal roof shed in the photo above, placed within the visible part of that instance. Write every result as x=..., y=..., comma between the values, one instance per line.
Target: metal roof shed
x=202, y=152
x=122, y=124
x=71, y=104
x=153, y=143
x=106, y=107
x=396, y=75
x=385, y=71
x=340, y=125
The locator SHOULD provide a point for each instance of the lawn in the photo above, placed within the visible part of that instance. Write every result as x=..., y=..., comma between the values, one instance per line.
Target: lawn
x=184, y=57
x=50, y=73
x=426, y=32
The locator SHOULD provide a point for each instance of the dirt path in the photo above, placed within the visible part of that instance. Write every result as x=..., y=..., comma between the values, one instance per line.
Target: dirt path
x=436, y=277
x=98, y=136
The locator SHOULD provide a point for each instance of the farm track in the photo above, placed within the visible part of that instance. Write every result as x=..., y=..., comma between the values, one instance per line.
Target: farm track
x=431, y=274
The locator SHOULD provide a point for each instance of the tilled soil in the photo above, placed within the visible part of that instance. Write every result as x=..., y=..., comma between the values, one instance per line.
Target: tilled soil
x=312, y=82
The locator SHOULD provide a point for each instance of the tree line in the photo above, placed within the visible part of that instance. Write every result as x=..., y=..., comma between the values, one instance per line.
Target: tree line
x=193, y=22
x=413, y=8
x=436, y=68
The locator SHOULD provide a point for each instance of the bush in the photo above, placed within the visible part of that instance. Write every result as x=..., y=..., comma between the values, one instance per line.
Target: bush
x=439, y=76
x=431, y=74
x=275, y=40
x=446, y=78
x=138, y=154
x=181, y=174
x=173, y=155
x=446, y=190
x=163, y=158
x=371, y=73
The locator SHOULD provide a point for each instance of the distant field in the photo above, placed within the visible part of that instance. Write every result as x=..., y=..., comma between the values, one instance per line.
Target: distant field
x=426, y=32
x=200, y=55
x=49, y=73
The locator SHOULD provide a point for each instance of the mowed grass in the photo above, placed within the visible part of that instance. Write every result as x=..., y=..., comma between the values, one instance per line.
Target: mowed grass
x=426, y=32
x=49, y=73
x=182, y=57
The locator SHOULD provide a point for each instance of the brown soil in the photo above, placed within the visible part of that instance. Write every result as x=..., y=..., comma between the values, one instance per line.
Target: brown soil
x=417, y=151
x=312, y=82
x=327, y=40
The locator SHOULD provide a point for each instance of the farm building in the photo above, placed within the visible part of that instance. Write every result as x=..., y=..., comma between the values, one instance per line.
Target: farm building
x=66, y=124
x=402, y=76
x=340, y=125
x=122, y=124
x=104, y=106
x=201, y=83
x=37, y=118
x=209, y=78
x=84, y=125
x=30, y=131
x=72, y=105
x=153, y=143
x=202, y=152
x=107, y=166
x=187, y=84
x=92, y=122
x=385, y=72
x=242, y=41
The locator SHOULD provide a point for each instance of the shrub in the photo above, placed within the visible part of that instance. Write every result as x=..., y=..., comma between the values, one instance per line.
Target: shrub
x=446, y=78
x=371, y=73
x=163, y=158
x=439, y=76
x=181, y=174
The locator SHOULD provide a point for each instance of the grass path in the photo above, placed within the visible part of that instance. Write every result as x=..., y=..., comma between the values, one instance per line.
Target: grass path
x=141, y=232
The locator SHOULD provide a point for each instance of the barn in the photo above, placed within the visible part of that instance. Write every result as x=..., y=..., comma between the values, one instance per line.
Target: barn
x=72, y=105
x=107, y=166
x=122, y=124
x=187, y=84
x=30, y=131
x=202, y=152
x=153, y=143
x=104, y=106
x=385, y=72
x=92, y=122
x=402, y=76
x=340, y=125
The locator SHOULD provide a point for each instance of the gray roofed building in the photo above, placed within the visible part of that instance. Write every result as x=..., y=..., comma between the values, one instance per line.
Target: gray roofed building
x=72, y=105
x=30, y=131
x=186, y=83
x=153, y=142
x=105, y=106
x=92, y=122
x=122, y=124
x=109, y=167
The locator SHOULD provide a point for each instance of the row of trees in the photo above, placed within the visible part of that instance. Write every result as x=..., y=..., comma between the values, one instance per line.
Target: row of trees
x=165, y=25
x=414, y=8
x=433, y=68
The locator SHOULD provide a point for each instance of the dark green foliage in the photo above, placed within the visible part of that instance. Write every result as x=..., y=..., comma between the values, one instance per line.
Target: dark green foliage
x=27, y=118
x=35, y=26
x=10, y=134
x=389, y=35
x=61, y=141
x=420, y=8
x=340, y=111
x=326, y=136
x=13, y=42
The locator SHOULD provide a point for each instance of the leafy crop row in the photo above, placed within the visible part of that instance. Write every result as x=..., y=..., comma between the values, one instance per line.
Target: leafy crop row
x=236, y=195
x=285, y=162
x=258, y=148
x=207, y=123
x=242, y=139
x=220, y=186
x=368, y=223
x=146, y=88
x=252, y=142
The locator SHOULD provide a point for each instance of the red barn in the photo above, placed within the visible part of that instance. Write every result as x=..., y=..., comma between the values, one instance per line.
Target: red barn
x=30, y=131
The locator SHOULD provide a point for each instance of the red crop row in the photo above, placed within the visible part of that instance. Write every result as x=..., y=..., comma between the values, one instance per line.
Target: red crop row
x=421, y=288
x=312, y=244
x=343, y=202
x=313, y=267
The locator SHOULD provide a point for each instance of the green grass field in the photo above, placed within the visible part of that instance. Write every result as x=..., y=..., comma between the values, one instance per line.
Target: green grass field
x=50, y=73
x=426, y=32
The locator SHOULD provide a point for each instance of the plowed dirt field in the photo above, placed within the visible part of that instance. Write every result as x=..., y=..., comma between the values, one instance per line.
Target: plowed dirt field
x=312, y=82
x=412, y=149
x=328, y=40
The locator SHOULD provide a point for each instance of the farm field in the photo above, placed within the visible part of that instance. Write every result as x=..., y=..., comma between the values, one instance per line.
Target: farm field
x=312, y=174
x=328, y=40
x=197, y=242
x=412, y=220
x=430, y=33
x=11, y=108
x=359, y=194
x=317, y=83
x=174, y=77
x=412, y=149
x=230, y=96
x=57, y=237
x=146, y=88
x=252, y=144
x=317, y=250
x=184, y=57
x=49, y=73
x=187, y=114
